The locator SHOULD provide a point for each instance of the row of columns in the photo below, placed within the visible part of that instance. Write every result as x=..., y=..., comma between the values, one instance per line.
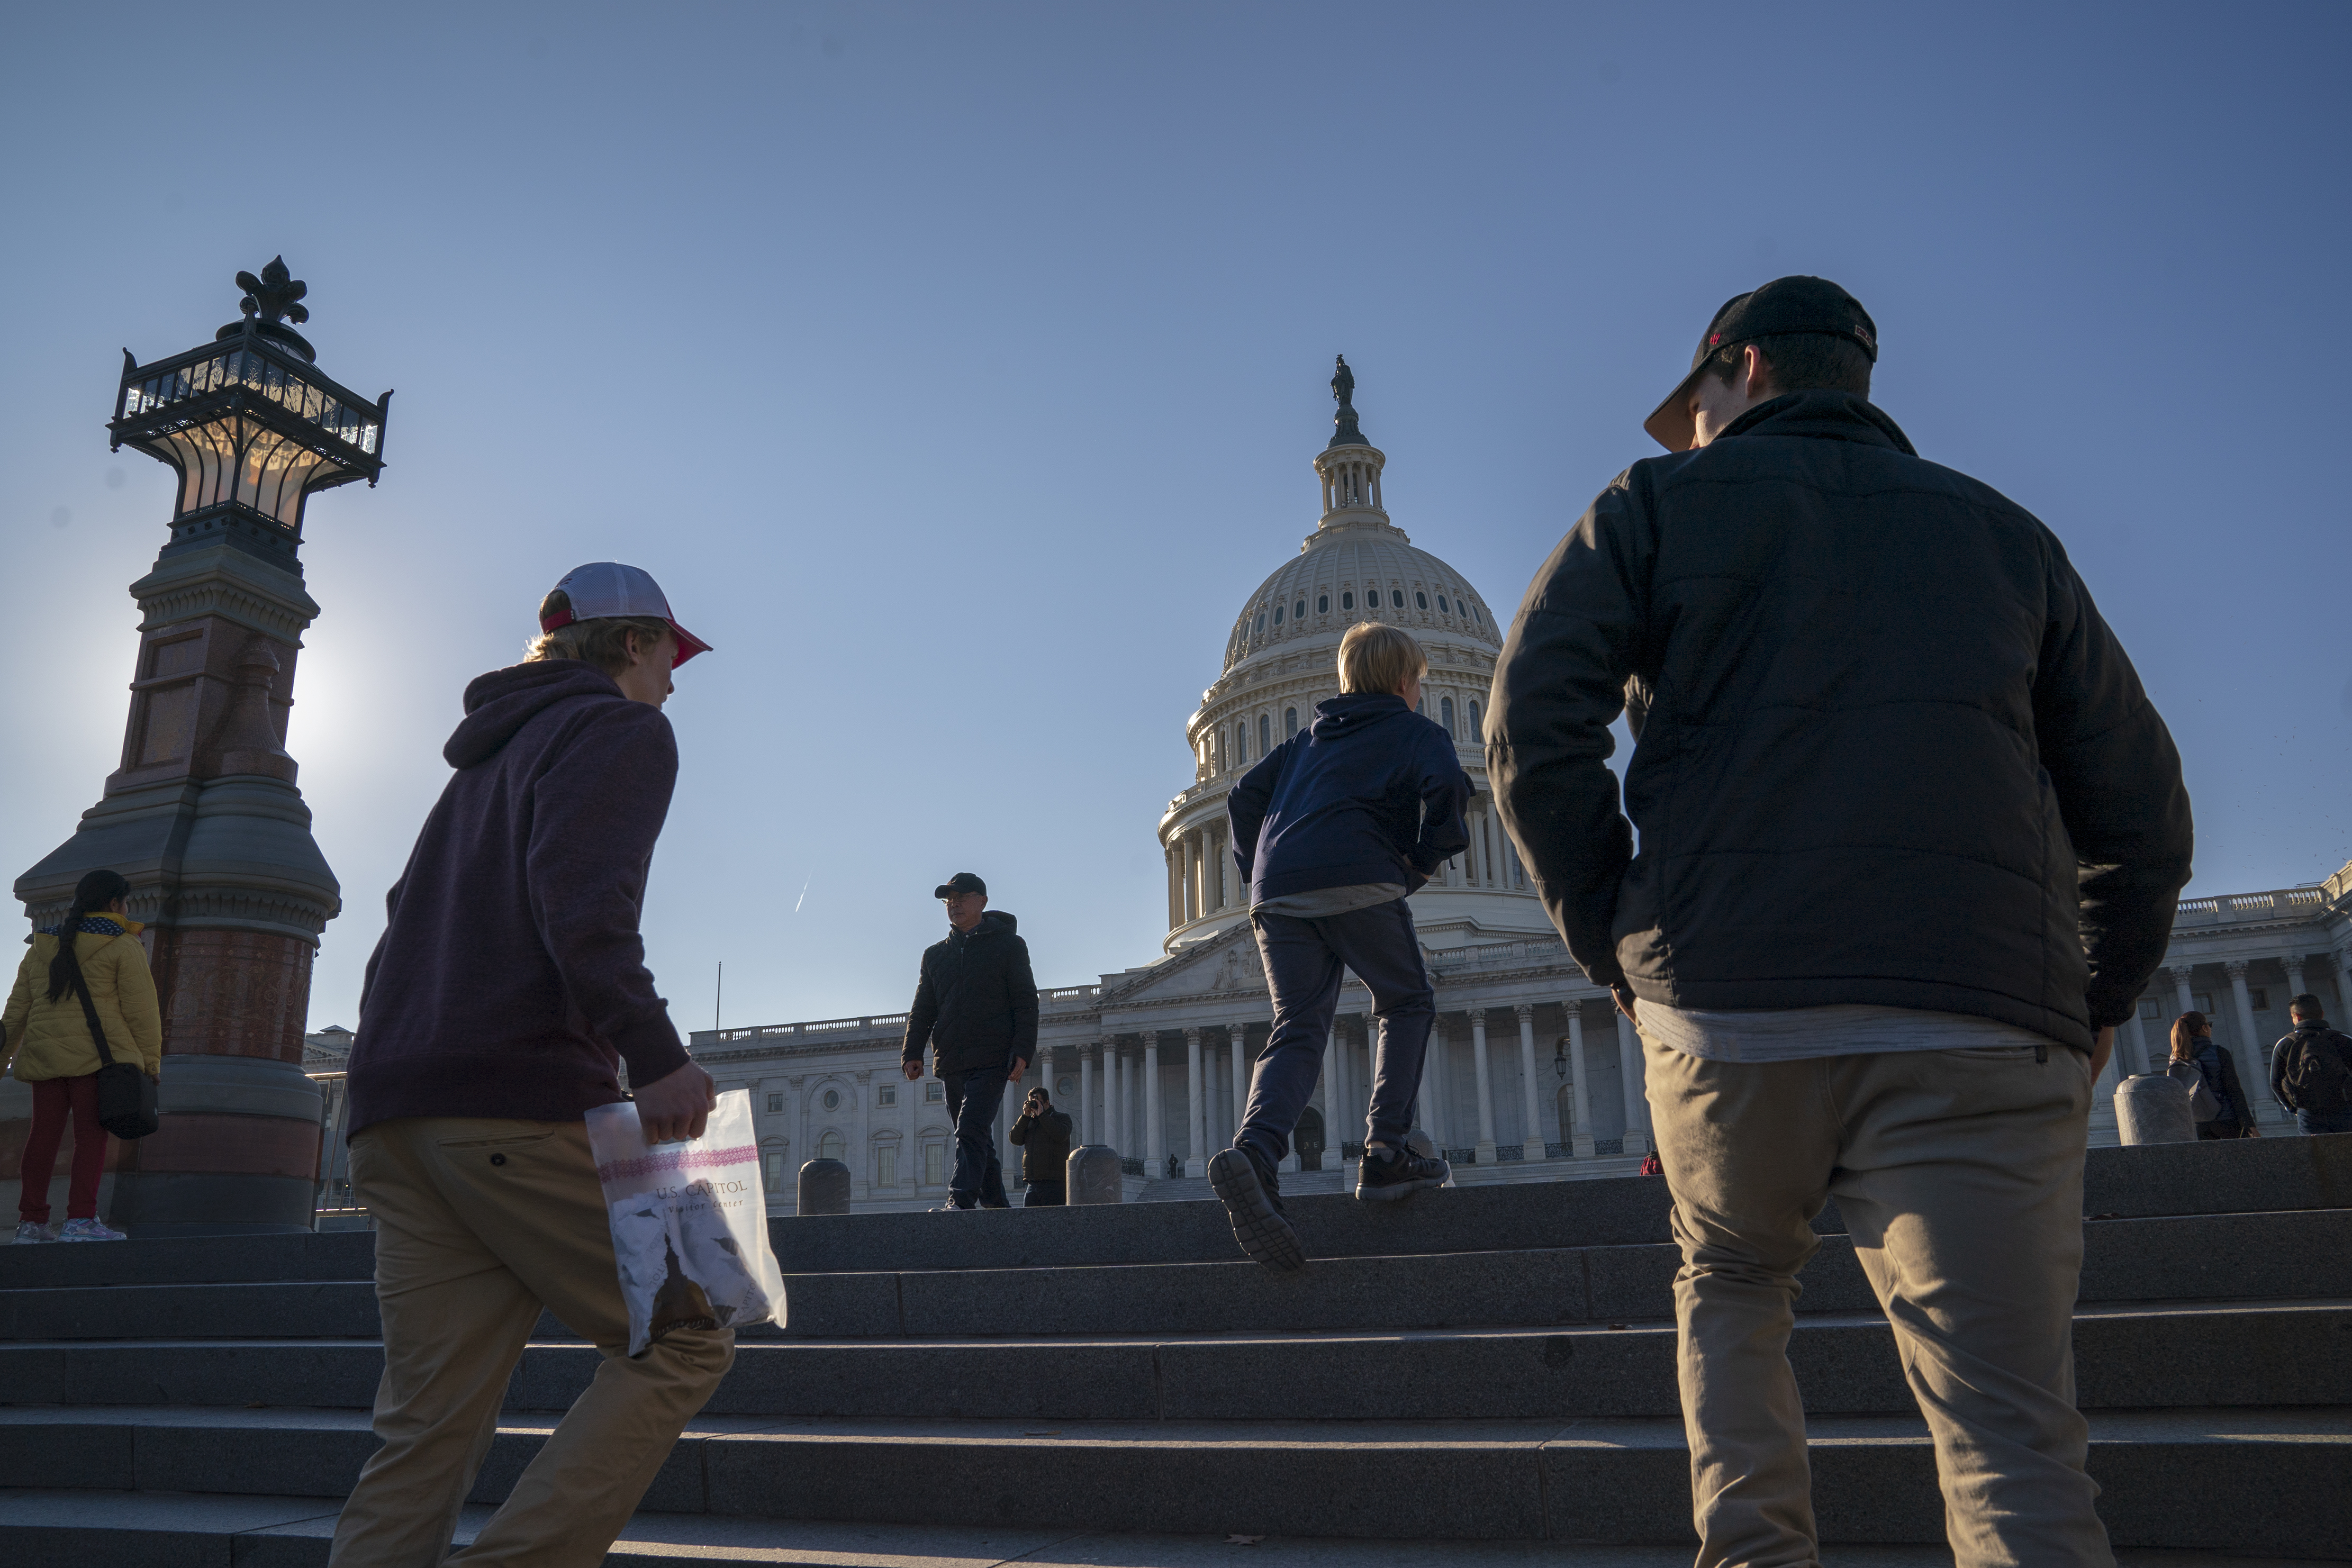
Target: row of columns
x=1218, y=1071
x=1201, y=878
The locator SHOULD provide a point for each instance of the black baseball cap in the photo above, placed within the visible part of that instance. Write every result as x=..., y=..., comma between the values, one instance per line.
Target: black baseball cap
x=1782, y=308
x=962, y=882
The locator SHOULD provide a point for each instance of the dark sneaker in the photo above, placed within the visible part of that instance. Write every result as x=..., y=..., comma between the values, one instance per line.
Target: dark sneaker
x=1253, y=1199
x=1397, y=1173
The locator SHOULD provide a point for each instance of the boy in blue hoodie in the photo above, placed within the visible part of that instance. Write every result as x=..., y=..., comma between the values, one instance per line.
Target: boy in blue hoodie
x=1331, y=831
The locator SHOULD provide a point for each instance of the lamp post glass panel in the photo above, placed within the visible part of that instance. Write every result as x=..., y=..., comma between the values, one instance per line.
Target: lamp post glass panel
x=202, y=816
x=250, y=426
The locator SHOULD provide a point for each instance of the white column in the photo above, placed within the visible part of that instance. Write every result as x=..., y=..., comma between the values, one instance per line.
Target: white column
x=1347, y=1103
x=1155, y=1132
x=1485, y=1086
x=1196, y=1129
x=2138, y=1038
x=2292, y=965
x=2342, y=989
x=2180, y=974
x=1085, y=1094
x=1531, y=1127
x=1185, y=864
x=1629, y=1066
x=1116, y=1075
x=2102, y=1092
x=1580, y=1092
x=2254, y=1073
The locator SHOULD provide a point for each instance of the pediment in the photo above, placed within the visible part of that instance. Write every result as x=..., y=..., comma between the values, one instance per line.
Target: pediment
x=1225, y=965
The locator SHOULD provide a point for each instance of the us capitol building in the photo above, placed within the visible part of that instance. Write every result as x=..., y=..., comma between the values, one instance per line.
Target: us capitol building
x=1531, y=1074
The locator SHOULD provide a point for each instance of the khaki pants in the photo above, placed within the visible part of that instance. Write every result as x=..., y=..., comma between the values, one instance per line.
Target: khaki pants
x=1959, y=1174
x=479, y=1223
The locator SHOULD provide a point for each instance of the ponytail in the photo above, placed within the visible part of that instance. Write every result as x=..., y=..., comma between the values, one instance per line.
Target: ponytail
x=96, y=891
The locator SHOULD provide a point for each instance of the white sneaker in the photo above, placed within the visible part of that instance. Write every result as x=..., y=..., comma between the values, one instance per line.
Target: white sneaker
x=89, y=1230
x=28, y=1233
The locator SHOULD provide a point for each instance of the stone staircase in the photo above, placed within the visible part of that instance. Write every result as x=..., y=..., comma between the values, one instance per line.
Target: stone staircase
x=1480, y=1375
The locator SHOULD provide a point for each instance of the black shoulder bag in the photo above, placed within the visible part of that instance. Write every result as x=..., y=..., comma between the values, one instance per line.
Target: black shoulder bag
x=126, y=1096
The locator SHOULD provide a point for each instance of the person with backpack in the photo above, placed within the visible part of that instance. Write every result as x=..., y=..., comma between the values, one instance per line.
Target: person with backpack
x=2311, y=1071
x=2192, y=1045
x=90, y=967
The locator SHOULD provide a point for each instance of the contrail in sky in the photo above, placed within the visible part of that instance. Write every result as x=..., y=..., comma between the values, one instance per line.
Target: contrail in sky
x=804, y=897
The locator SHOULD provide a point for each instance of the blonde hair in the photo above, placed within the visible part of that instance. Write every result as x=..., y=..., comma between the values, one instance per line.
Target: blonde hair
x=603, y=641
x=1374, y=657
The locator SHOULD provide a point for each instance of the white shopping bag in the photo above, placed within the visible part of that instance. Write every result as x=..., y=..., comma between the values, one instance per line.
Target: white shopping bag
x=689, y=1222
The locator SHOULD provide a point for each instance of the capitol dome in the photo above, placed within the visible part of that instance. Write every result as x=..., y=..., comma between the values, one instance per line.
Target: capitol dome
x=1282, y=658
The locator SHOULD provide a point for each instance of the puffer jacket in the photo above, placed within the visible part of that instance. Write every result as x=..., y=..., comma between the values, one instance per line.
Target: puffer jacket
x=51, y=1039
x=1887, y=750
x=1044, y=1147
x=976, y=1004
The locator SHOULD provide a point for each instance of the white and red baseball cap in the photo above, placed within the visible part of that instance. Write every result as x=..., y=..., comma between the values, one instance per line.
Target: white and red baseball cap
x=604, y=588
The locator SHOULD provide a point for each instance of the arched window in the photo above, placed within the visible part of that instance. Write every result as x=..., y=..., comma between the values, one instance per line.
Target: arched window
x=1420, y=599
x=1445, y=714
x=1289, y=721
x=935, y=1163
x=771, y=1169
x=1260, y=622
x=1241, y=744
x=1477, y=728
x=1396, y=597
x=886, y=1165
x=1348, y=601
x=830, y=1146
x=1476, y=616
x=1440, y=606
x=1299, y=611
x=1264, y=734
x=1322, y=604
x=1277, y=614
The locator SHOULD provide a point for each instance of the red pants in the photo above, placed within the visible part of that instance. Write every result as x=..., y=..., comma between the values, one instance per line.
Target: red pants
x=52, y=1097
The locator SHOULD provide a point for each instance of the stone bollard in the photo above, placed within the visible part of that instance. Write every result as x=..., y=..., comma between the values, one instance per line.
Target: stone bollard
x=1093, y=1174
x=824, y=1187
x=2153, y=1108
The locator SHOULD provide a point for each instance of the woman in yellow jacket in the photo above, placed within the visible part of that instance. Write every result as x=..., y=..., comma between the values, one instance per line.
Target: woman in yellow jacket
x=44, y=1040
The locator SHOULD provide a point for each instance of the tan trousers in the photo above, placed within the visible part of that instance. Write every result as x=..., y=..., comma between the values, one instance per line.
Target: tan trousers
x=479, y=1223
x=1959, y=1174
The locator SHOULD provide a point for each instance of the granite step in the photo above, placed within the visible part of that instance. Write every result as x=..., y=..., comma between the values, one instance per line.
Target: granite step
x=161, y=1530
x=1600, y=1480
x=2252, y=1176
x=2202, y=1353
x=2293, y=1253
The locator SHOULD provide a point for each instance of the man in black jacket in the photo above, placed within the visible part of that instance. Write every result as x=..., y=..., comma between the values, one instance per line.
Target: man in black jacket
x=2311, y=1071
x=1044, y=1135
x=1911, y=835
x=976, y=1007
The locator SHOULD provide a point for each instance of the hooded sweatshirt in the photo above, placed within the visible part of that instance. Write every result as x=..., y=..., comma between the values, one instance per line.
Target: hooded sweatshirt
x=1372, y=792
x=511, y=981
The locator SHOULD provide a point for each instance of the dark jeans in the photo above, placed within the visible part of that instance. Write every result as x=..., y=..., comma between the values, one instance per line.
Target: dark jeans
x=1046, y=1194
x=1303, y=963
x=2313, y=1123
x=973, y=1098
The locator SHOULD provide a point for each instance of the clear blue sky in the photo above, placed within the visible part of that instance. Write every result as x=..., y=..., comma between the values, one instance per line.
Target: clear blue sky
x=957, y=368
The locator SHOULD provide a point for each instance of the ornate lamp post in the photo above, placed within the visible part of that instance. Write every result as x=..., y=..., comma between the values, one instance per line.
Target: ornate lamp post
x=203, y=816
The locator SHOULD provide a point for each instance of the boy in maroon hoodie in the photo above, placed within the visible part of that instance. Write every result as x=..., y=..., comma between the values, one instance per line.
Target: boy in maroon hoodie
x=508, y=989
